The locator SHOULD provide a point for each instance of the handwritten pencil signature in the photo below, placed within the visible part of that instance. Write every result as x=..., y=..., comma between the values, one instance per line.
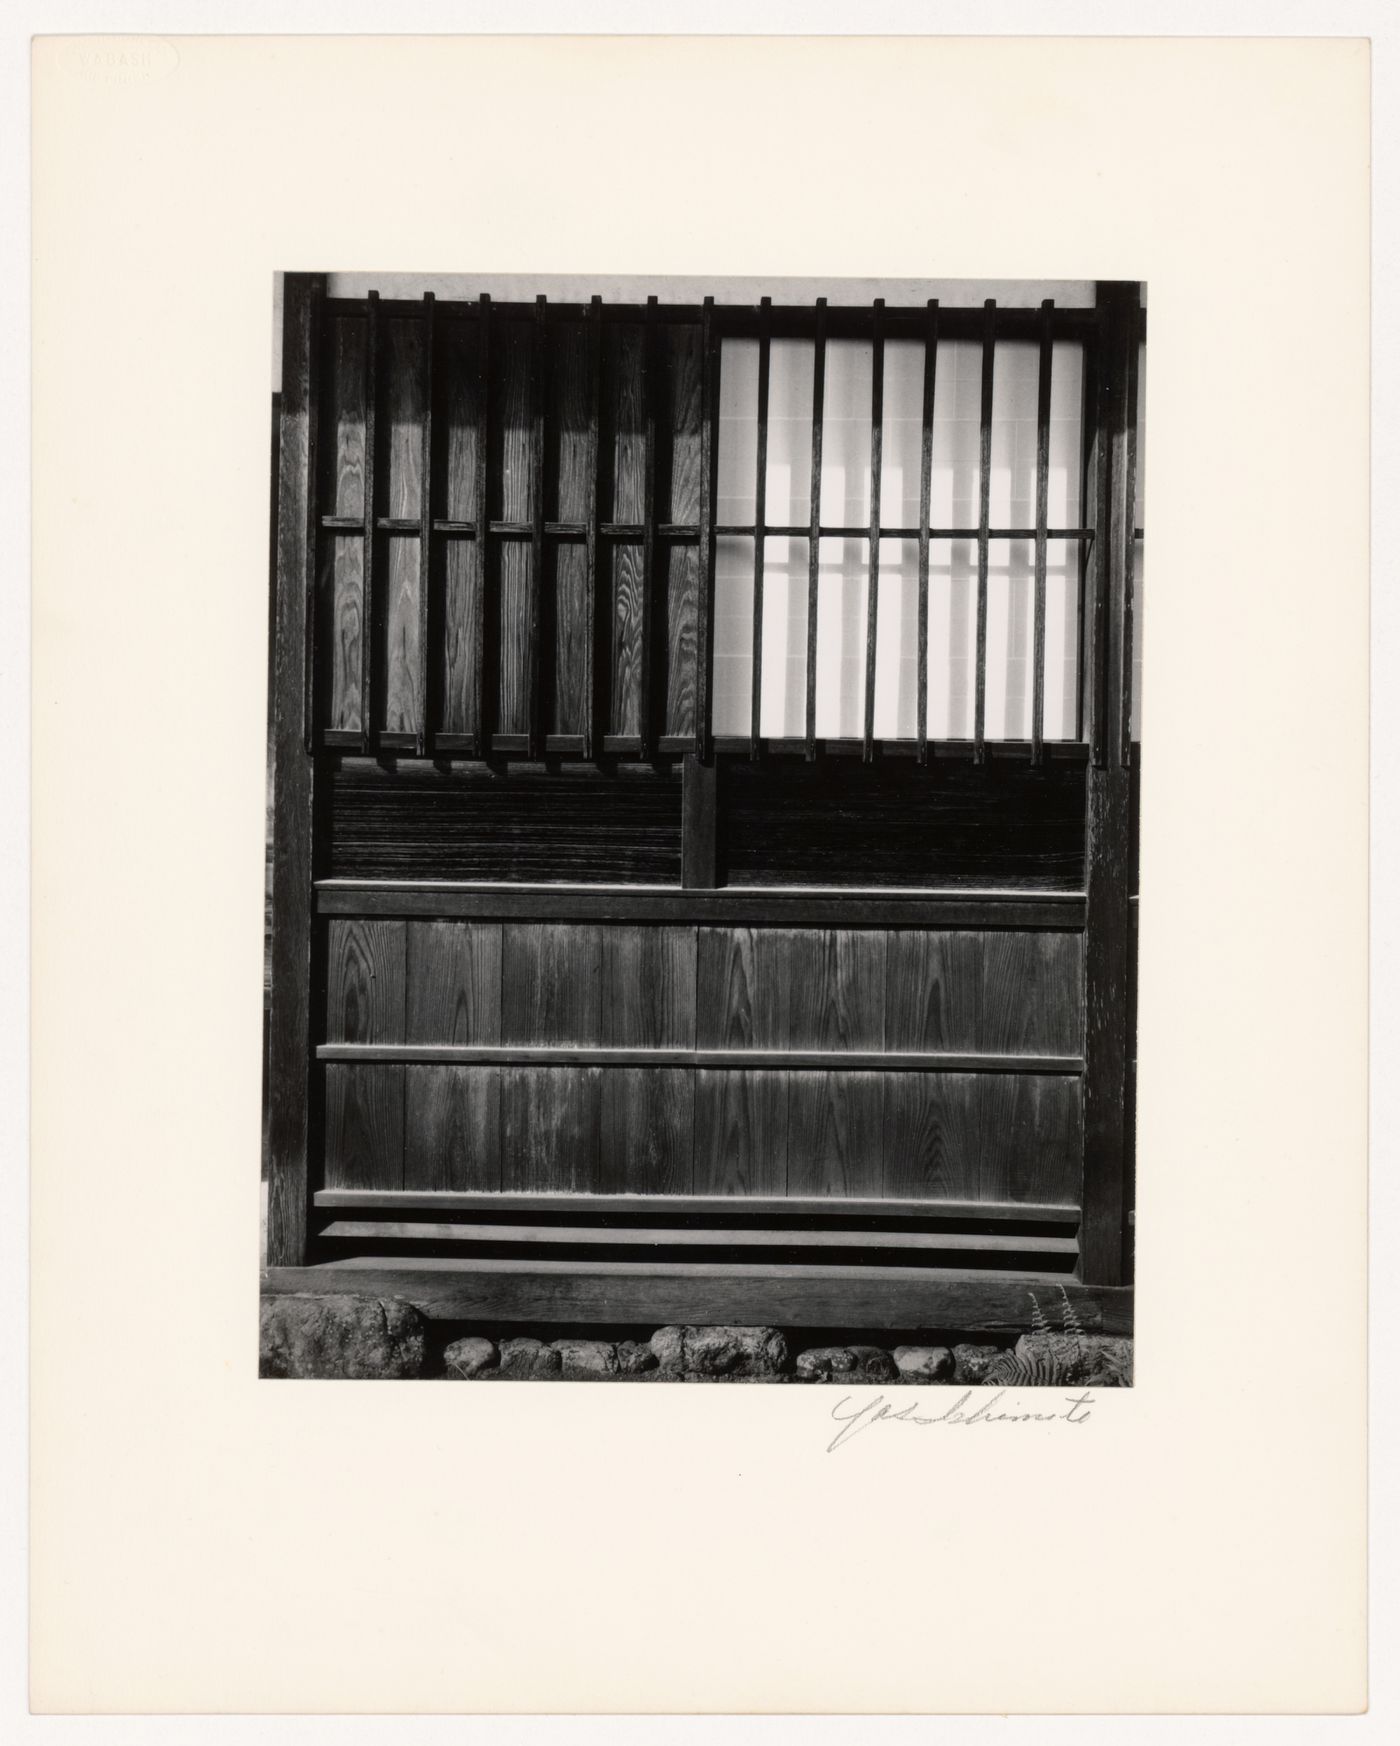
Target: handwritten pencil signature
x=879, y=1410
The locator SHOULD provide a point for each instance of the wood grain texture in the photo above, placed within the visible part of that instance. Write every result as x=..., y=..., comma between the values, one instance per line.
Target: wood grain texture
x=660, y=1211
x=457, y=392
x=550, y=1120
x=647, y=987
x=628, y=581
x=290, y=1137
x=456, y=654
x=994, y=1137
x=551, y=983
x=647, y=1131
x=741, y=1132
x=365, y=963
x=511, y=425
x=680, y=427
x=682, y=570
x=482, y=822
x=739, y=1002
x=403, y=707
x=452, y=1123
x=364, y=1127
x=568, y=589
x=836, y=983
x=341, y=589
x=400, y=422
x=1106, y=1043
x=342, y=428
x=624, y=421
x=514, y=598
x=454, y=982
x=1007, y=993
x=835, y=1141
x=569, y=471
x=698, y=1292
x=988, y=826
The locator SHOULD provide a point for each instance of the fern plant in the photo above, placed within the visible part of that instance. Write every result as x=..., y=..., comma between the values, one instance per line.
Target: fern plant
x=1052, y=1358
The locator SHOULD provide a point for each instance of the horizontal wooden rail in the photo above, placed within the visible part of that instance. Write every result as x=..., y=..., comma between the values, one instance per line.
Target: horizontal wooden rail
x=674, y=1236
x=674, y=1206
x=747, y=1060
x=651, y=1293
x=725, y=906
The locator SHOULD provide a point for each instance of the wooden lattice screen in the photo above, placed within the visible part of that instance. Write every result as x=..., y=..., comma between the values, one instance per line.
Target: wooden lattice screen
x=580, y=1011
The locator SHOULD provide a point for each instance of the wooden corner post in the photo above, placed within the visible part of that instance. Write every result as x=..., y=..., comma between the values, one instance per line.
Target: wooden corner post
x=1107, y=1149
x=293, y=739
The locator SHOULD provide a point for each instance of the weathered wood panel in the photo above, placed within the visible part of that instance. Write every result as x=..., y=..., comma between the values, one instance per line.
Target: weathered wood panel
x=835, y=1141
x=550, y=1119
x=454, y=982
x=982, y=1136
x=364, y=1126
x=1003, y=993
x=648, y=987
x=682, y=570
x=365, y=963
x=341, y=588
x=514, y=601
x=628, y=580
x=679, y=425
x=836, y=979
x=647, y=1132
x=513, y=491
x=741, y=1132
x=452, y=1121
x=551, y=983
x=521, y=823
x=456, y=415
x=567, y=565
x=624, y=426
x=455, y=654
x=960, y=824
x=403, y=707
x=400, y=422
x=567, y=430
x=741, y=1001
x=342, y=430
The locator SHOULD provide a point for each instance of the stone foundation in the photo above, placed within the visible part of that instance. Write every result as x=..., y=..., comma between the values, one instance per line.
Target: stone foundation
x=347, y=1337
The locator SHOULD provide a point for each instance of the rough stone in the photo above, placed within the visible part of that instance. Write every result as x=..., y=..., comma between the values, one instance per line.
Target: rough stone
x=669, y=1346
x=336, y=1335
x=923, y=1363
x=470, y=1358
x=846, y=1364
x=527, y=1360
x=586, y=1360
x=634, y=1358
x=735, y=1352
x=971, y=1361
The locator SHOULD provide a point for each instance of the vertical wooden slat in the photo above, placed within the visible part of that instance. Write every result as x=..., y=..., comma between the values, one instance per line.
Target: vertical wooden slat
x=1124, y=535
x=483, y=515
x=369, y=639
x=289, y=1061
x=698, y=807
x=704, y=606
x=1042, y=500
x=312, y=614
x=425, y=533
x=872, y=591
x=760, y=514
x=984, y=510
x=596, y=719
x=650, y=390
x=814, y=520
x=534, y=687
x=925, y=517
x=1104, y=1190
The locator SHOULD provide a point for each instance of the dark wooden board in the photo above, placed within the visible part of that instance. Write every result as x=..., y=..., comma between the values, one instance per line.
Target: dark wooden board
x=1005, y=992
x=550, y=1121
x=680, y=423
x=647, y=987
x=682, y=599
x=658, y=1209
x=647, y=1131
x=365, y=981
x=342, y=429
x=454, y=982
x=514, y=601
x=459, y=563
x=567, y=587
x=987, y=1136
x=741, y=1132
x=551, y=983
x=364, y=1127
x=452, y=1122
x=399, y=565
x=645, y=1293
x=341, y=639
x=456, y=414
x=985, y=826
x=835, y=1141
x=476, y=822
x=628, y=580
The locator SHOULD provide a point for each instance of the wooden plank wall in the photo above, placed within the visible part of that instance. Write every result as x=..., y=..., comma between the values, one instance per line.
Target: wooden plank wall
x=691, y=1129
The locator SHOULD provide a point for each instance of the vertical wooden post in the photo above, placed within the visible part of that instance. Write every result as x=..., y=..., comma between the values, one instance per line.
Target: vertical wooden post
x=709, y=449
x=289, y=1019
x=1104, y=1199
x=872, y=587
x=699, y=862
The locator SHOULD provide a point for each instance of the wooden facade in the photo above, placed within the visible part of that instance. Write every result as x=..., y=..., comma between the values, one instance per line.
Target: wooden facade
x=582, y=1013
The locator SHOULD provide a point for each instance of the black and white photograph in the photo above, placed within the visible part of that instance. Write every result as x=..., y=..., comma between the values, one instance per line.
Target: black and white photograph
x=703, y=790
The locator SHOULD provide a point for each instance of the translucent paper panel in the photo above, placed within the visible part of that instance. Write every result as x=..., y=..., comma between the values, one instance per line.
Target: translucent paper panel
x=842, y=577
x=738, y=432
x=845, y=499
x=952, y=638
x=903, y=441
x=1010, y=639
x=788, y=486
x=1015, y=414
x=897, y=642
x=783, y=707
x=957, y=434
x=732, y=699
